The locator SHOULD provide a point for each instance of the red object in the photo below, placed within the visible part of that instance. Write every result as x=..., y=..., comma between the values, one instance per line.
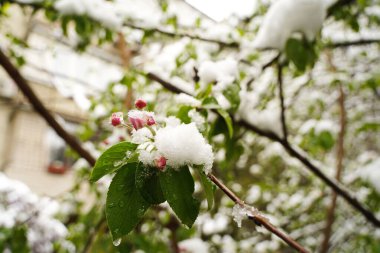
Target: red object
x=57, y=167
x=140, y=103
x=160, y=163
x=137, y=123
x=117, y=118
x=151, y=121
x=115, y=121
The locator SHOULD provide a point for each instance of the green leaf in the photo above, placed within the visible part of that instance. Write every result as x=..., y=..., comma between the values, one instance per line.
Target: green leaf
x=208, y=188
x=326, y=140
x=227, y=118
x=301, y=53
x=124, y=206
x=183, y=114
x=112, y=160
x=148, y=183
x=210, y=103
x=178, y=189
x=232, y=95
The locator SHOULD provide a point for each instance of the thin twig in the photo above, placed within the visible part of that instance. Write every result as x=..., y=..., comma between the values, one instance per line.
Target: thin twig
x=360, y=42
x=282, y=103
x=271, y=62
x=178, y=34
x=257, y=217
x=339, y=168
x=338, y=188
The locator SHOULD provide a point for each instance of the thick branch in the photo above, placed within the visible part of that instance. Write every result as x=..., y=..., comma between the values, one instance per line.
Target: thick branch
x=41, y=109
x=296, y=154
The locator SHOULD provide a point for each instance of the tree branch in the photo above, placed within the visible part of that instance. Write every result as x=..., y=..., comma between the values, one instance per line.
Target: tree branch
x=282, y=103
x=41, y=109
x=296, y=154
x=257, y=218
x=339, y=168
x=177, y=34
x=359, y=42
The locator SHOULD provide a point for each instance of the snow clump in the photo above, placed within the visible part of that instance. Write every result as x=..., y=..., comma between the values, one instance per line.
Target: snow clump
x=184, y=145
x=286, y=17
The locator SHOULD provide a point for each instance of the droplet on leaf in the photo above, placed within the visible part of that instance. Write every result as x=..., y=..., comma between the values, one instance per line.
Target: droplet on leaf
x=117, y=242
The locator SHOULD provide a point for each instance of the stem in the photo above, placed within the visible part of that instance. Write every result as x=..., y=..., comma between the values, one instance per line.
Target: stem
x=41, y=109
x=294, y=153
x=257, y=217
x=339, y=168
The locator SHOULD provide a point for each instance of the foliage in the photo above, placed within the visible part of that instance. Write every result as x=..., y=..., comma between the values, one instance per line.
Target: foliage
x=141, y=199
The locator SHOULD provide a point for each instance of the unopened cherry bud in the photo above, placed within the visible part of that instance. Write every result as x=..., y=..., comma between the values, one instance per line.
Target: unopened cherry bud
x=140, y=103
x=117, y=118
x=160, y=163
x=150, y=121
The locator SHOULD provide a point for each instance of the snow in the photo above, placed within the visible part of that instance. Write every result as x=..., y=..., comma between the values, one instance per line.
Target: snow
x=319, y=126
x=193, y=245
x=286, y=17
x=198, y=119
x=224, y=71
x=371, y=173
x=184, y=145
x=99, y=10
x=20, y=205
x=185, y=99
x=216, y=224
x=239, y=213
x=141, y=135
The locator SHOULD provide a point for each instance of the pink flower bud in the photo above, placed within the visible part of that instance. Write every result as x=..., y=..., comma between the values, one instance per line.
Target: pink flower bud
x=117, y=119
x=140, y=119
x=150, y=121
x=140, y=103
x=160, y=163
x=137, y=123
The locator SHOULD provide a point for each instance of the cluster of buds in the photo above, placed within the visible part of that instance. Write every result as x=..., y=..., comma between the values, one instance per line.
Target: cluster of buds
x=139, y=119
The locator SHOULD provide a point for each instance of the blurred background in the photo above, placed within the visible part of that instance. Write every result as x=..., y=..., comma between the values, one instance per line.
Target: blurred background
x=84, y=60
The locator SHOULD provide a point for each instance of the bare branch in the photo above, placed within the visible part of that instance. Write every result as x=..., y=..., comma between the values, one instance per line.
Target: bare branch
x=178, y=34
x=360, y=42
x=339, y=168
x=257, y=218
x=282, y=103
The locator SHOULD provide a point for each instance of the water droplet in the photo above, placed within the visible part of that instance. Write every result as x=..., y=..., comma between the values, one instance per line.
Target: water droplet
x=117, y=242
x=111, y=205
x=128, y=153
x=117, y=163
x=121, y=203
